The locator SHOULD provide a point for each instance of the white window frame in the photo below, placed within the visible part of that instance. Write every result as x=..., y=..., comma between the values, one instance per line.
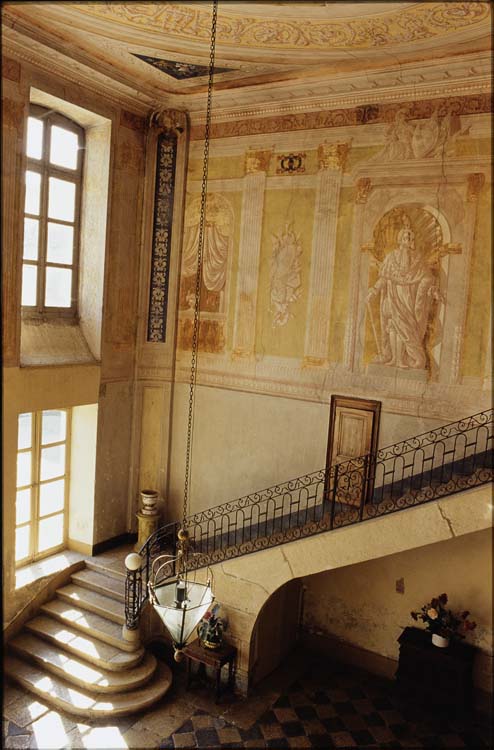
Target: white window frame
x=46, y=170
x=36, y=483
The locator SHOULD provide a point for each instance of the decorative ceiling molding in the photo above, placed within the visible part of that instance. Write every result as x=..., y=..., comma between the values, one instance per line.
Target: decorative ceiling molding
x=418, y=23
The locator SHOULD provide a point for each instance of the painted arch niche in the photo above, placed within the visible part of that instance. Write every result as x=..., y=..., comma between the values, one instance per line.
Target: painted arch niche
x=215, y=278
x=407, y=284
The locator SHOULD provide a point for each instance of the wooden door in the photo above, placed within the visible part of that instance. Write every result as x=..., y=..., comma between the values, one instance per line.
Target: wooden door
x=353, y=434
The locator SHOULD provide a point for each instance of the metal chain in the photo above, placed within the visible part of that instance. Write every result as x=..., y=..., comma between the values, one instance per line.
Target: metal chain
x=202, y=221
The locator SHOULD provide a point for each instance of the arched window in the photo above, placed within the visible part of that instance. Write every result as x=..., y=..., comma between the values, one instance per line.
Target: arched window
x=54, y=151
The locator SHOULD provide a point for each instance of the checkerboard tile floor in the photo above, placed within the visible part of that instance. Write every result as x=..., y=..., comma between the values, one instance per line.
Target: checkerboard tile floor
x=334, y=707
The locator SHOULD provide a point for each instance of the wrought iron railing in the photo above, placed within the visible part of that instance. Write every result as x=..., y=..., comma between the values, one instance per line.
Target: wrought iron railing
x=437, y=463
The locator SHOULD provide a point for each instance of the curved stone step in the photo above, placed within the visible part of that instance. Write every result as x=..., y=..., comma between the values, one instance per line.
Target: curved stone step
x=101, y=583
x=77, y=671
x=100, y=567
x=88, y=647
x=63, y=695
x=93, y=602
x=89, y=623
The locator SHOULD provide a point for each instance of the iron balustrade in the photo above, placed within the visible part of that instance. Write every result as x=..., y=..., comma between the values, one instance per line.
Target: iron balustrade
x=435, y=464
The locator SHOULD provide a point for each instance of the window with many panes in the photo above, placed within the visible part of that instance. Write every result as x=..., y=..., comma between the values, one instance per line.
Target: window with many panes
x=42, y=483
x=54, y=148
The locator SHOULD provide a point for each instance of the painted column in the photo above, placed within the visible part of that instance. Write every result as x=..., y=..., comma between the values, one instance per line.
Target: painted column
x=458, y=289
x=332, y=159
x=244, y=331
x=363, y=188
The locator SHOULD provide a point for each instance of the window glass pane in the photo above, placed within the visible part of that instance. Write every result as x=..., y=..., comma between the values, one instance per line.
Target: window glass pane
x=60, y=243
x=58, y=288
x=31, y=233
x=29, y=277
x=23, y=469
x=61, y=199
x=52, y=462
x=22, y=542
x=50, y=532
x=63, y=148
x=24, y=431
x=33, y=188
x=34, y=138
x=53, y=426
x=23, y=506
x=51, y=497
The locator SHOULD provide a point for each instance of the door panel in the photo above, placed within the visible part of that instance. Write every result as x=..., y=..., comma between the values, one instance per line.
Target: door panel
x=353, y=434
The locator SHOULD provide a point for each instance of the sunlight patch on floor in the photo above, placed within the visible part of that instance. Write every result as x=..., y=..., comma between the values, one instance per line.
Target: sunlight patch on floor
x=50, y=733
x=102, y=737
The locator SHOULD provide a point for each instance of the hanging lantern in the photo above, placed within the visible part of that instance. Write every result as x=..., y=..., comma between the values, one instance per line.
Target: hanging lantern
x=179, y=599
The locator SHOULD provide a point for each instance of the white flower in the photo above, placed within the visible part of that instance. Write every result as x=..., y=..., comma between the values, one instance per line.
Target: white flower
x=432, y=613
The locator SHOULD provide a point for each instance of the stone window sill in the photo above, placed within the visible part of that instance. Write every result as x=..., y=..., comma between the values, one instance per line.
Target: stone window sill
x=33, y=572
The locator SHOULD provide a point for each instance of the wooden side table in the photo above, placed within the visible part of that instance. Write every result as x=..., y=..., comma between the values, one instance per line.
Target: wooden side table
x=440, y=676
x=215, y=658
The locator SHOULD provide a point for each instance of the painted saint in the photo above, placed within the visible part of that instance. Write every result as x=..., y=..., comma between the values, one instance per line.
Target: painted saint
x=407, y=288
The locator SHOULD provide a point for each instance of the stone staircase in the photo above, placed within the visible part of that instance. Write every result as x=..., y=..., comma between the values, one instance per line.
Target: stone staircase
x=73, y=656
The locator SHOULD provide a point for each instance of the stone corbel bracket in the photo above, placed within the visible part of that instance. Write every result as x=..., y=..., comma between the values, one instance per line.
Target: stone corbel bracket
x=170, y=120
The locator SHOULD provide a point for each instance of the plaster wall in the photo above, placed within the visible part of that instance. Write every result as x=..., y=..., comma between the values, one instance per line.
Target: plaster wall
x=244, y=442
x=243, y=586
x=261, y=412
x=115, y=236
x=360, y=604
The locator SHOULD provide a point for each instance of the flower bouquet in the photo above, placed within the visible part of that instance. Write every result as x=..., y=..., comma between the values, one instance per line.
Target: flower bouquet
x=442, y=622
x=211, y=628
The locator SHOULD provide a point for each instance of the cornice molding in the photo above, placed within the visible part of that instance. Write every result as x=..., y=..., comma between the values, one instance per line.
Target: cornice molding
x=42, y=58
x=348, y=116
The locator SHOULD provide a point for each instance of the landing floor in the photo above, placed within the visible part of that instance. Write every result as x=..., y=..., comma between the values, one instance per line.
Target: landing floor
x=308, y=702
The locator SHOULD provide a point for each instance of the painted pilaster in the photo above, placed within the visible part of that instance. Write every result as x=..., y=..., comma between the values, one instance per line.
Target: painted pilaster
x=254, y=184
x=458, y=288
x=12, y=194
x=362, y=190
x=331, y=159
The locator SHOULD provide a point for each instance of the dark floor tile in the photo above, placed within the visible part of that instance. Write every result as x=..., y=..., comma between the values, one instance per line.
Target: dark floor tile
x=355, y=692
x=374, y=720
x=321, y=740
x=362, y=737
x=333, y=725
x=268, y=718
x=14, y=730
x=293, y=729
x=167, y=744
x=320, y=698
x=306, y=712
x=431, y=741
x=473, y=739
x=344, y=708
x=400, y=730
x=382, y=703
x=282, y=702
x=207, y=738
x=281, y=742
x=187, y=726
x=253, y=733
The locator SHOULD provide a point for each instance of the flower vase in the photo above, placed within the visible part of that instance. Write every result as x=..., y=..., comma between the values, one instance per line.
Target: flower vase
x=210, y=644
x=439, y=641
